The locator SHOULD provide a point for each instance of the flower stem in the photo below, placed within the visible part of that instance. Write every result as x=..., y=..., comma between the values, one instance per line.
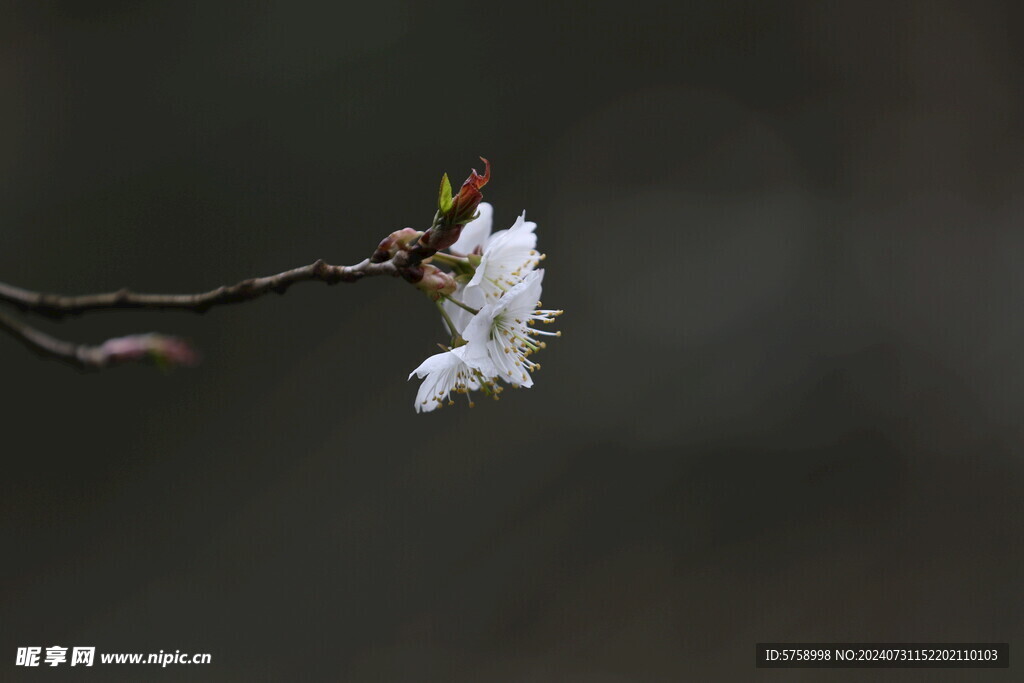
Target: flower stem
x=449, y=260
x=448, y=321
x=462, y=305
x=459, y=265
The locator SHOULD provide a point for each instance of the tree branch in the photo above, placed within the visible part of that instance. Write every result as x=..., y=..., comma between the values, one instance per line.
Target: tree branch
x=140, y=347
x=58, y=306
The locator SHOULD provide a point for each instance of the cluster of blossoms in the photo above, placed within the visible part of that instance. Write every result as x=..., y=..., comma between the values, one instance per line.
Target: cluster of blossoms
x=488, y=295
x=490, y=298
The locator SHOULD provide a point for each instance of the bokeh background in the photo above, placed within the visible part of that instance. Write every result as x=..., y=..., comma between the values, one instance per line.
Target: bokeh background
x=786, y=405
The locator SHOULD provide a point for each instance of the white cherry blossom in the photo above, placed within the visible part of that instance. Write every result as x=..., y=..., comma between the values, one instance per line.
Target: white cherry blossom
x=462, y=370
x=507, y=258
x=502, y=329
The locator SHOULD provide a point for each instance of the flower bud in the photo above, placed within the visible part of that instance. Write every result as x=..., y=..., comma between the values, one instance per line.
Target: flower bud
x=435, y=283
x=399, y=240
x=464, y=204
x=157, y=347
x=455, y=212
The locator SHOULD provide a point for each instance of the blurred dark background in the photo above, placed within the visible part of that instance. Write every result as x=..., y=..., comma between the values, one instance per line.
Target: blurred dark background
x=786, y=406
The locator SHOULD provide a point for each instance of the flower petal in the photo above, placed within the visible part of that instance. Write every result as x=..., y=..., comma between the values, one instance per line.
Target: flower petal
x=471, y=296
x=508, y=255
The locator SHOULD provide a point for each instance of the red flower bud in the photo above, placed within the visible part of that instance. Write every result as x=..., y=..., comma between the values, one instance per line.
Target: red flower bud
x=464, y=204
x=455, y=212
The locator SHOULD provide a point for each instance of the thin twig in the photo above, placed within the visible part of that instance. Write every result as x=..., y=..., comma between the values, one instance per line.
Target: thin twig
x=58, y=306
x=140, y=347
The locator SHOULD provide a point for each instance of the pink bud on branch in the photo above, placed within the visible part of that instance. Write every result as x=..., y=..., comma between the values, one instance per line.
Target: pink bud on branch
x=435, y=283
x=159, y=348
x=399, y=240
